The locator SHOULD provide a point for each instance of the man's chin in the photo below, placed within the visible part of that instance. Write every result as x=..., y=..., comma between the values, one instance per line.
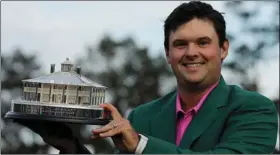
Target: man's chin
x=193, y=84
x=193, y=80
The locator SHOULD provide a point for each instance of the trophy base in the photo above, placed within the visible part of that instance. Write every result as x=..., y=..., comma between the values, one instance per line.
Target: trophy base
x=15, y=115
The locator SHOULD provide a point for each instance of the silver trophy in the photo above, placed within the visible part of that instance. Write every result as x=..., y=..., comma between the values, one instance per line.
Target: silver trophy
x=63, y=96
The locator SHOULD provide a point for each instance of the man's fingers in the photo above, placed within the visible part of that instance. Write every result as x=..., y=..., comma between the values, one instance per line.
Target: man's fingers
x=104, y=128
x=111, y=133
x=109, y=128
x=94, y=136
x=114, y=112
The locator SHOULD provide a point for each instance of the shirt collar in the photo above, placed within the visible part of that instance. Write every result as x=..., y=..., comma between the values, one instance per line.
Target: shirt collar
x=198, y=106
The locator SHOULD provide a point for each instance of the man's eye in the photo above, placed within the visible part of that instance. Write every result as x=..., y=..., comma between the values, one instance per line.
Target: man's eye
x=179, y=44
x=203, y=43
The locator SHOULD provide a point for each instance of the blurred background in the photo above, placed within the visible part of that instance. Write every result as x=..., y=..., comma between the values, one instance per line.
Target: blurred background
x=120, y=45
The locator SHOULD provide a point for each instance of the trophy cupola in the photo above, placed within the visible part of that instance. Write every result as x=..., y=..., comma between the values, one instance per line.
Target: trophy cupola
x=67, y=65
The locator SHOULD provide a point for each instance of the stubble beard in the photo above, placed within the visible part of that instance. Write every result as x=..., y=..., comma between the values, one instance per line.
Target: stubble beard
x=188, y=84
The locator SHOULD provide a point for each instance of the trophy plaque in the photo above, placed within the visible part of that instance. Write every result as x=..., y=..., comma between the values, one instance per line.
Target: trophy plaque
x=63, y=96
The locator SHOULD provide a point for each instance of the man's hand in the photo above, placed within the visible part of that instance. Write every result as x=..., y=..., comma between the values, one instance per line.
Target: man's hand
x=119, y=129
x=56, y=134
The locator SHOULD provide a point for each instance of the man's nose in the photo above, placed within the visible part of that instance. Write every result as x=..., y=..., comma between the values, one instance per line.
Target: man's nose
x=191, y=51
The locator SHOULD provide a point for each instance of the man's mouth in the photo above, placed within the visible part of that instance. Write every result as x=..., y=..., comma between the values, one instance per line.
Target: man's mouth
x=192, y=64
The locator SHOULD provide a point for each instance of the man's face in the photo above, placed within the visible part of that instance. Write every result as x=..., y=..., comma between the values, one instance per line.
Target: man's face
x=194, y=52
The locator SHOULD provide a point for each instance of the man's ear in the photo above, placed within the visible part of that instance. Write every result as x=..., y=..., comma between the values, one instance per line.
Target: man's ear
x=224, y=49
x=167, y=55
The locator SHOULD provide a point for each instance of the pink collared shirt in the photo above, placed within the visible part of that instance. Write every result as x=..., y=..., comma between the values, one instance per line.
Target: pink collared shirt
x=184, y=122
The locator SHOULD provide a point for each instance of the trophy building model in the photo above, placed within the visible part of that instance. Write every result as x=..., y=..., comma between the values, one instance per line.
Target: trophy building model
x=64, y=96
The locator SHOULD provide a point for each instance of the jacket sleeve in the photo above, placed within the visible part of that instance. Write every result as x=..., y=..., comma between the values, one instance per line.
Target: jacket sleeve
x=252, y=128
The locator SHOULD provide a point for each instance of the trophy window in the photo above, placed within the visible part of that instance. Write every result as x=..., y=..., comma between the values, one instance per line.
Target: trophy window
x=45, y=97
x=58, y=98
x=79, y=99
x=38, y=97
x=27, y=94
x=80, y=88
x=32, y=96
x=53, y=98
x=64, y=99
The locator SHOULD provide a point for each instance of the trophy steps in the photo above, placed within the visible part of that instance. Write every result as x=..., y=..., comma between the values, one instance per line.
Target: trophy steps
x=91, y=115
x=15, y=115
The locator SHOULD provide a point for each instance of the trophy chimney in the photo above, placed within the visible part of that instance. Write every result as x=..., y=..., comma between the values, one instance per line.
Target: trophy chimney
x=52, y=68
x=79, y=70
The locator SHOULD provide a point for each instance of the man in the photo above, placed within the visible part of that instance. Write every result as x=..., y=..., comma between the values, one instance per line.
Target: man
x=204, y=115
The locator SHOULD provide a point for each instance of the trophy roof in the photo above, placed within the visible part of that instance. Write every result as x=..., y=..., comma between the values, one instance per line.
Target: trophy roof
x=66, y=78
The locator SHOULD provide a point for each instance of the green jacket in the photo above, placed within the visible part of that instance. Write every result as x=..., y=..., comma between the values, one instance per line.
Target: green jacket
x=231, y=120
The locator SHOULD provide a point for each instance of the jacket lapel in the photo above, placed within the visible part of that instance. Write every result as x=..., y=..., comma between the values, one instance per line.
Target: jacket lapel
x=207, y=114
x=163, y=125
